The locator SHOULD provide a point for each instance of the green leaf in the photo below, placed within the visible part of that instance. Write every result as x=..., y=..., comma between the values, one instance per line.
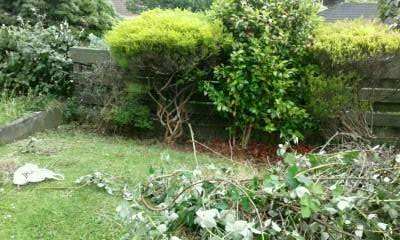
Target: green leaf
x=310, y=205
x=315, y=159
x=221, y=206
x=305, y=180
x=316, y=188
x=271, y=181
x=245, y=203
x=338, y=191
x=290, y=179
x=305, y=212
x=290, y=158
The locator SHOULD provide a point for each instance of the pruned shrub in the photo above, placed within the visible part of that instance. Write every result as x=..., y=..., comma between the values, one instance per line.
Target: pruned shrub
x=347, y=52
x=258, y=85
x=94, y=16
x=171, y=51
x=349, y=194
x=347, y=42
x=193, y=5
x=35, y=59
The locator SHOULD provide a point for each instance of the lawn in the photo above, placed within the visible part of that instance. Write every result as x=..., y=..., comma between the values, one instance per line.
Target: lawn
x=60, y=210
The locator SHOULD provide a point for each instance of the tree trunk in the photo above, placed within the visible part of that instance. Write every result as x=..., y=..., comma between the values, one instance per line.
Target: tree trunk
x=246, y=136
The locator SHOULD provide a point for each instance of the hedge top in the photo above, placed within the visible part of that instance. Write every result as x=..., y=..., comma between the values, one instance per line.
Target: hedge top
x=346, y=42
x=169, y=32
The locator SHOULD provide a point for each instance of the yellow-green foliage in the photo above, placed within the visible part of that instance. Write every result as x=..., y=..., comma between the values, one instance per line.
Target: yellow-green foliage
x=165, y=32
x=351, y=41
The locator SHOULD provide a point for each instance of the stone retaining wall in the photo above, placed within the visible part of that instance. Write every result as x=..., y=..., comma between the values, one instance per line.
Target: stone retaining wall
x=29, y=125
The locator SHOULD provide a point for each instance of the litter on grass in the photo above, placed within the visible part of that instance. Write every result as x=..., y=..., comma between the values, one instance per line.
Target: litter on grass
x=31, y=173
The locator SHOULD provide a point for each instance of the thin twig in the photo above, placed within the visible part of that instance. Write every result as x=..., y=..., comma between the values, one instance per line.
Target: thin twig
x=193, y=144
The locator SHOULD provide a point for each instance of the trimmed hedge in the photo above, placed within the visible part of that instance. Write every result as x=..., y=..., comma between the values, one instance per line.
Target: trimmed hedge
x=172, y=50
x=351, y=41
x=193, y=5
x=165, y=32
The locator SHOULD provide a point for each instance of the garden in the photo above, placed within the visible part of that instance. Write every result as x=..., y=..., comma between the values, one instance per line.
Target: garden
x=206, y=119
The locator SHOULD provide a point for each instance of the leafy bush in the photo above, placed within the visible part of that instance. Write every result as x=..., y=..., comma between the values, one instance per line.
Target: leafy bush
x=35, y=59
x=258, y=84
x=331, y=94
x=344, y=51
x=346, y=42
x=95, y=16
x=351, y=194
x=390, y=12
x=132, y=114
x=117, y=106
x=172, y=50
x=194, y=5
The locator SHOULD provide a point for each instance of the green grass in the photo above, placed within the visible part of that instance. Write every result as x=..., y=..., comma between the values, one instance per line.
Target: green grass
x=12, y=108
x=48, y=210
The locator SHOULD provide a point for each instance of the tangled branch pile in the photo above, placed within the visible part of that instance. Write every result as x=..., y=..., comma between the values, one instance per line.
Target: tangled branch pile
x=347, y=195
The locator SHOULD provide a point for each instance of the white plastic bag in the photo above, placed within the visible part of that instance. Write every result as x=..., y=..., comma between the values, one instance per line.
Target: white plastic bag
x=32, y=173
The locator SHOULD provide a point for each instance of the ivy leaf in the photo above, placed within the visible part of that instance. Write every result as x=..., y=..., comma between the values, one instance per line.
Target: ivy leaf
x=291, y=180
x=309, y=206
x=234, y=194
x=316, y=188
x=290, y=158
x=221, y=206
x=344, y=204
x=305, y=212
x=301, y=191
x=245, y=203
x=382, y=226
x=305, y=180
x=206, y=218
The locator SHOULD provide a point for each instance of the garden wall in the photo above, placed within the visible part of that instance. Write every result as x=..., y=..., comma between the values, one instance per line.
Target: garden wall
x=26, y=126
x=381, y=87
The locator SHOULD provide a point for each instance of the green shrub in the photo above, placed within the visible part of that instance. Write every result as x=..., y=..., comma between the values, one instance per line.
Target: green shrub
x=35, y=59
x=171, y=50
x=330, y=94
x=259, y=83
x=165, y=33
x=194, y=5
x=133, y=114
x=390, y=11
x=344, y=52
x=94, y=16
x=346, y=42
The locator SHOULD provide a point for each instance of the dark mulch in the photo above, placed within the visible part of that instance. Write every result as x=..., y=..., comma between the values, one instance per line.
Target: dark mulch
x=256, y=153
